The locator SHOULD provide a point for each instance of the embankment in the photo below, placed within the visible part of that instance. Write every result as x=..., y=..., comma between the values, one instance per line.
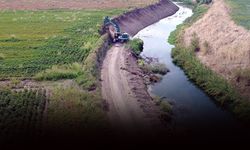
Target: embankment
x=135, y=20
x=208, y=46
x=224, y=46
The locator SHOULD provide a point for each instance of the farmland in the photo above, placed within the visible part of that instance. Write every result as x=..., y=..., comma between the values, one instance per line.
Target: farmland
x=32, y=41
x=48, y=45
x=71, y=4
x=21, y=113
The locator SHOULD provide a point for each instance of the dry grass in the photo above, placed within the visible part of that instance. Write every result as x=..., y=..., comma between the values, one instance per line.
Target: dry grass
x=228, y=44
x=71, y=4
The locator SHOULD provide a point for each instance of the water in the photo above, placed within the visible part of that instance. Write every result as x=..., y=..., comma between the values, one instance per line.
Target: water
x=193, y=111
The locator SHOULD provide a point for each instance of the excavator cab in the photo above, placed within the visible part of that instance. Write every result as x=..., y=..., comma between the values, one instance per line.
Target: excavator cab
x=116, y=32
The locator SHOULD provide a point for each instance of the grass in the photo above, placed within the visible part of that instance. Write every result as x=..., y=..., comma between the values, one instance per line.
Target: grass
x=240, y=12
x=33, y=41
x=213, y=84
x=78, y=114
x=243, y=74
x=67, y=71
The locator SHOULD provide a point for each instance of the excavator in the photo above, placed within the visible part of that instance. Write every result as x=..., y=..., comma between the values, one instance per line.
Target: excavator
x=115, y=30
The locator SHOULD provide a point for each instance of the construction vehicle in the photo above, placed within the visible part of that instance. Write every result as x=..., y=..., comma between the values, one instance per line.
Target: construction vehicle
x=115, y=31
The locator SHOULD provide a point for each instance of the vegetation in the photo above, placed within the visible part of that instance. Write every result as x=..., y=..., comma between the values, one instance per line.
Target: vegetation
x=67, y=71
x=82, y=113
x=240, y=12
x=243, y=74
x=32, y=41
x=164, y=104
x=136, y=45
x=213, y=84
x=191, y=3
x=21, y=113
x=89, y=79
x=154, y=67
x=66, y=45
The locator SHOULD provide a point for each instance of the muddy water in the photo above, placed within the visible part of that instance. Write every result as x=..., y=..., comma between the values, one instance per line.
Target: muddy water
x=194, y=112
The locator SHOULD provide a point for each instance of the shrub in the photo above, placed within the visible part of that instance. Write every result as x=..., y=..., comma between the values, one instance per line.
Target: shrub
x=195, y=43
x=164, y=104
x=204, y=1
x=136, y=45
x=159, y=68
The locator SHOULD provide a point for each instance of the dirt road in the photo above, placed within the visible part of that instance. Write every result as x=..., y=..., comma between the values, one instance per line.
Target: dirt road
x=121, y=85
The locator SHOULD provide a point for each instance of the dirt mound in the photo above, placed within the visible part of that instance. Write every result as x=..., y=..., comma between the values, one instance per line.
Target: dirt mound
x=70, y=4
x=225, y=47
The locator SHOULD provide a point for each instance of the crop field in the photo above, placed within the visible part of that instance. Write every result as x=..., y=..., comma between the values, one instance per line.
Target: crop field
x=71, y=4
x=21, y=113
x=47, y=45
x=32, y=41
x=241, y=12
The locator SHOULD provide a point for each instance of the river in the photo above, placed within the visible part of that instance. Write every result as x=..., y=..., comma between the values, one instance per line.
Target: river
x=194, y=112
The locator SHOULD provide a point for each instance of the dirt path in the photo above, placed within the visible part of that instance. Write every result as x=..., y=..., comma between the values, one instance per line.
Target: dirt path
x=126, y=107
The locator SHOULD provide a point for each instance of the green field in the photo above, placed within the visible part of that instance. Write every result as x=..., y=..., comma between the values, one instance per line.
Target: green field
x=241, y=12
x=50, y=45
x=32, y=41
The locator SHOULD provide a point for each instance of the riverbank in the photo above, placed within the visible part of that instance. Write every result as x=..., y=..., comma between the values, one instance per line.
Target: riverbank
x=204, y=76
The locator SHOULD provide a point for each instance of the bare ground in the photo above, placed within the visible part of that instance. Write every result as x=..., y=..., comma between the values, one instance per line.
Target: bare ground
x=130, y=106
x=71, y=4
x=228, y=45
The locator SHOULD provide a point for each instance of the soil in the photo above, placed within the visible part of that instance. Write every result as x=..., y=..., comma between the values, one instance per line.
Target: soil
x=71, y=4
x=134, y=21
x=123, y=88
x=227, y=44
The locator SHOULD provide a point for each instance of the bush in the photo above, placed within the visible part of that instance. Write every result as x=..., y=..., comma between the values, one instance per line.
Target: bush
x=204, y=1
x=136, y=45
x=158, y=68
x=164, y=104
